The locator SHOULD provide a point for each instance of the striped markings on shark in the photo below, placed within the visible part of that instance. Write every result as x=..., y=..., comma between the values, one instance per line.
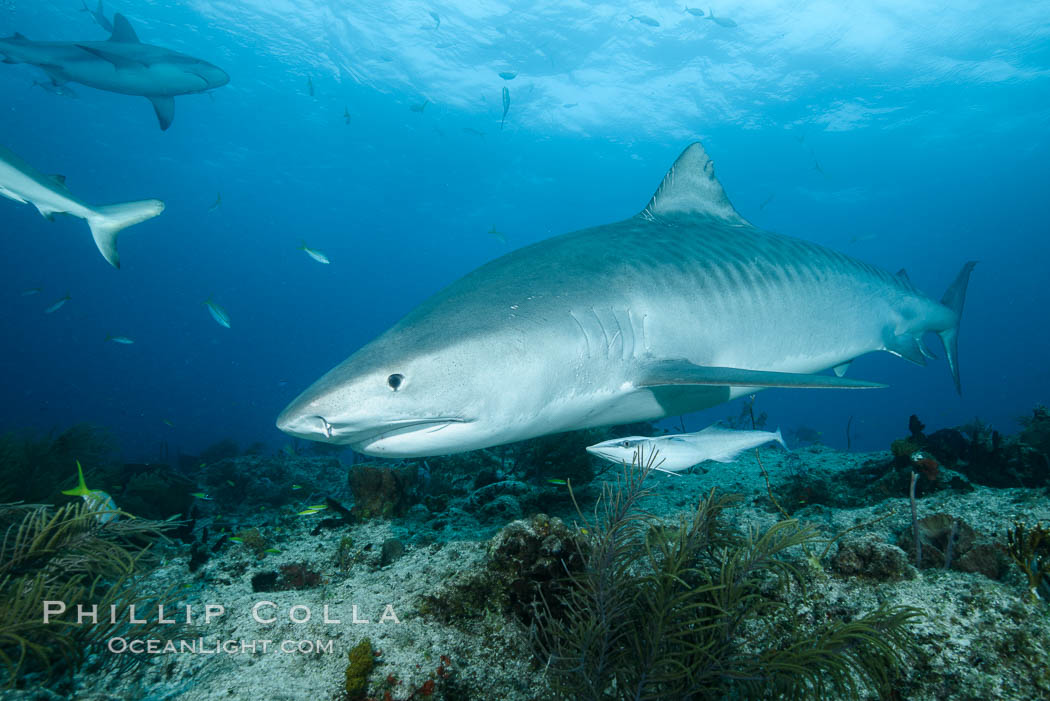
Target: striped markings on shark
x=122, y=64
x=682, y=307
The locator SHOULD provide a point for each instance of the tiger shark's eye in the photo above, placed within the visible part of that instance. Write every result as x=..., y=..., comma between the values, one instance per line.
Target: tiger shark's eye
x=395, y=380
x=626, y=444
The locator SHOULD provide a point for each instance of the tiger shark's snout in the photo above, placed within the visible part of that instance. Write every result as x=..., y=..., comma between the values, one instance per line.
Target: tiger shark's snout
x=368, y=433
x=301, y=425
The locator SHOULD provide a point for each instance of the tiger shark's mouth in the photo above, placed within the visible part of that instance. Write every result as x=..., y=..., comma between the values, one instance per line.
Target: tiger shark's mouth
x=405, y=426
x=318, y=428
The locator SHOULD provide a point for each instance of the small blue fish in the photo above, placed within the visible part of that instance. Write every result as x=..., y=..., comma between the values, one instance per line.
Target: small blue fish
x=646, y=20
x=217, y=313
x=506, y=106
x=58, y=305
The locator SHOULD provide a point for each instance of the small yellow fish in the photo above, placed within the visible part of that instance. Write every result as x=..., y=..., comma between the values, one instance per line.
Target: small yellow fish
x=58, y=304
x=309, y=512
x=318, y=507
x=556, y=481
x=123, y=340
x=97, y=499
x=200, y=495
x=316, y=255
x=230, y=482
x=235, y=539
x=297, y=486
x=169, y=423
x=273, y=551
x=217, y=313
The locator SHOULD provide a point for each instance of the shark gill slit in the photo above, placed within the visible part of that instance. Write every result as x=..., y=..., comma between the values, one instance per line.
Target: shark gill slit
x=601, y=326
x=583, y=332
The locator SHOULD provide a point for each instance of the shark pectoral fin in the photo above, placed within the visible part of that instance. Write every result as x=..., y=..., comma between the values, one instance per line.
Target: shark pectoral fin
x=4, y=192
x=116, y=59
x=122, y=31
x=164, y=106
x=682, y=372
x=55, y=73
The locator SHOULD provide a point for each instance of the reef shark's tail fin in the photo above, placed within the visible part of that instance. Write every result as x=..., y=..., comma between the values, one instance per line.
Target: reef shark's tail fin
x=954, y=299
x=106, y=222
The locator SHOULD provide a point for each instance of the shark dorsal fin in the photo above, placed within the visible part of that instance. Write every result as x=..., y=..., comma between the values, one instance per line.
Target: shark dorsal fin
x=122, y=30
x=903, y=275
x=690, y=187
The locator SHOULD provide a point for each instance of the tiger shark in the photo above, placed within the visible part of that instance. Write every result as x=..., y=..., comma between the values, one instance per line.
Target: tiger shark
x=122, y=64
x=684, y=306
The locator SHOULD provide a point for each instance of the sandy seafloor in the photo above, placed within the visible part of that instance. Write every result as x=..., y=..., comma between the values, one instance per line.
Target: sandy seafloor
x=980, y=638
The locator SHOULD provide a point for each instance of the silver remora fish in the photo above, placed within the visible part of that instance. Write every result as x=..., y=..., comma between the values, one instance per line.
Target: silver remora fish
x=680, y=452
x=679, y=308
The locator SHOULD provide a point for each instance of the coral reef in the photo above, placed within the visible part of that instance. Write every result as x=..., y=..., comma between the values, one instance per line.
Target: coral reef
x=870, y=557
x=68, y=555
x=1029, y=548
x=380, y=492
x=527, y=563
x=950, y=543
x=36, y=469
x=359, y=667
x=662, y=610
x=292, y=576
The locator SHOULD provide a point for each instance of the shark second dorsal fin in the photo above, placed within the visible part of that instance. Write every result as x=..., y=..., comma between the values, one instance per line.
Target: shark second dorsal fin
x=122, y=30
x=690, y=187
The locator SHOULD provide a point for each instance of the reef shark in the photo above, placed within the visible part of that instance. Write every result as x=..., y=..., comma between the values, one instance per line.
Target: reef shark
x=20, y=182
x=122, y=64
x=679, y=308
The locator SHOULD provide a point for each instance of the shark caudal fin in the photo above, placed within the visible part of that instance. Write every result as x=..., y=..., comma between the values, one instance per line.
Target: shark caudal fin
x=954, y=299
x=779, y=438
x=106, y=222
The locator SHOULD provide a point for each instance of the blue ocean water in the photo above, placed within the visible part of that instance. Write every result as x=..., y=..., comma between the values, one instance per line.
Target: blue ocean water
x=906, y=135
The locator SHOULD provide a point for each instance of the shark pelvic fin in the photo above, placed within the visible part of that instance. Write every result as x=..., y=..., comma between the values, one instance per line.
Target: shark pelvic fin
x=690, y=187
x=840, y=370
x=907, y=346
x=682, y=372
x=164, y=106
x=122, y=30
